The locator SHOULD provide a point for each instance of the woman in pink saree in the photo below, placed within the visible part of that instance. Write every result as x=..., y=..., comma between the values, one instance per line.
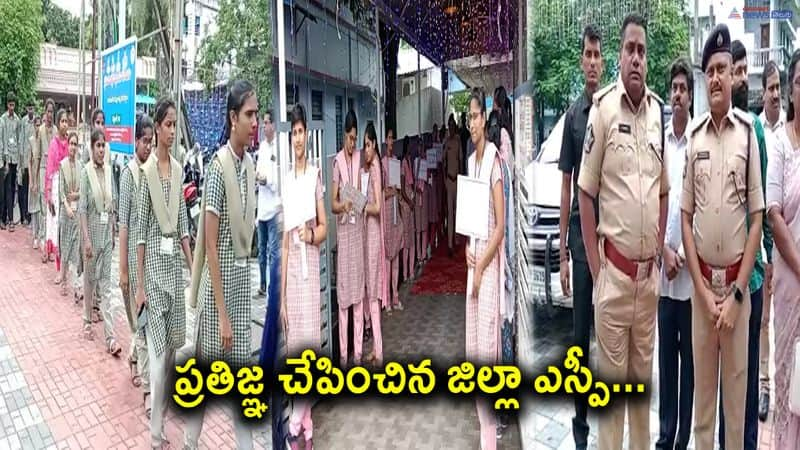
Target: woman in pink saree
x=783, y=206
x=58, y=150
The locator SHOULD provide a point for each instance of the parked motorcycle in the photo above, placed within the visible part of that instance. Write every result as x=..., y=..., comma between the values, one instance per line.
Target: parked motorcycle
x=192, y=191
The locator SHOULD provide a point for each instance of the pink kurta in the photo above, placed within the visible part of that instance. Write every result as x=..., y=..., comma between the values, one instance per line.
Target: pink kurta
x=392, y=232
x=375, y=251
x=408, y=214
x=303, y=296
x=58, y=150
x=783, y=191
x=483, y=313
x=349, y=236
x=422, y=199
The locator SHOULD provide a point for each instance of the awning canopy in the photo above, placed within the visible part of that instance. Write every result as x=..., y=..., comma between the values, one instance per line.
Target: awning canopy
x=446, y=30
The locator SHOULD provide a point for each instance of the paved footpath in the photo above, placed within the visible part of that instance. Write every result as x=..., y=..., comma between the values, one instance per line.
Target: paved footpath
x=61, y=391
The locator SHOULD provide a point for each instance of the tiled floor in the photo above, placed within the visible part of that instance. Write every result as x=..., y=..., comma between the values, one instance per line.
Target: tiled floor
x=61, y=391
x=428, y=327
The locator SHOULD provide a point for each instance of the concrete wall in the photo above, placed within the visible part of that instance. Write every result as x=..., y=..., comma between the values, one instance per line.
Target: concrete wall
x=407, y=112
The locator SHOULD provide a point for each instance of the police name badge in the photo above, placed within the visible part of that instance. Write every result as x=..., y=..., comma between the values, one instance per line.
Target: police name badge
x=166, y=245
x=104, y=218
x=588, y=142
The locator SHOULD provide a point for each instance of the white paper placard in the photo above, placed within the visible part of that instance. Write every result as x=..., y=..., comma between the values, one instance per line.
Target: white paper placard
x=394, y=172
x=422, y=170
x=299, y=201
x=364, y=183
x=431, y=157
x=351, y=194
x=472, y=207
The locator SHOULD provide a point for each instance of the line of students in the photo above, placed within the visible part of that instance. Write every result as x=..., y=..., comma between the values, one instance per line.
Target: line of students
x=154, y=234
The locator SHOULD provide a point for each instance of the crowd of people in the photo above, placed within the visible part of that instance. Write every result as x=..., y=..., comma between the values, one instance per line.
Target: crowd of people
x=74, y=207
x=688, y=259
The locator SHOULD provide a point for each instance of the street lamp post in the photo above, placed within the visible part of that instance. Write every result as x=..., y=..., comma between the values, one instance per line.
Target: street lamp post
x=176, y=69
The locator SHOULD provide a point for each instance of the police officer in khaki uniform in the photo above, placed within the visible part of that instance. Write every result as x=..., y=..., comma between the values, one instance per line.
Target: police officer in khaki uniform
x=721, y=187
x=623, y=168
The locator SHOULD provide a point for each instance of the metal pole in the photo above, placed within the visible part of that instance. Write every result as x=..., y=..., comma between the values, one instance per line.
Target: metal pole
x=283, y=155
x=176, y=68
x=380, y=122
x=122, y=15
x=100, y=46
x=94, y=42
x=82, y=47
x=419, y=100
x=696, y=33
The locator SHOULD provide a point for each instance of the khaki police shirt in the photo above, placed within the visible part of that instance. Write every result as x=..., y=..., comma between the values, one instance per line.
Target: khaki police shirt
x=622, y=167
x=715, y=185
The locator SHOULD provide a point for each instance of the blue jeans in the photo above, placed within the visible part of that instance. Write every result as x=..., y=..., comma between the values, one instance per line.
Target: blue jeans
x=269, y=258
x=753, y=359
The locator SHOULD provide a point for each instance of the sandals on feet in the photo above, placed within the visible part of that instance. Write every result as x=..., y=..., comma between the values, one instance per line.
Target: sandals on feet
x=147, y=406
x=96, y=316
x=88, y=333
x=136, y=380
x=114, y=348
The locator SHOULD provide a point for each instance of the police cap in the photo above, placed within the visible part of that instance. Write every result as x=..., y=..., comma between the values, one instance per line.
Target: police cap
x=719, y=40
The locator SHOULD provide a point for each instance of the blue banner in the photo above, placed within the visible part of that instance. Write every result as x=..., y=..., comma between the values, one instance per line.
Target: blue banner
x=118, y=95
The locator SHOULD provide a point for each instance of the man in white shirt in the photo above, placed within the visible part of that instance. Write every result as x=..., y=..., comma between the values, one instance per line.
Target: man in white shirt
x=676, y=379
x=269, y=242
x=772, y=119
x=269, y=256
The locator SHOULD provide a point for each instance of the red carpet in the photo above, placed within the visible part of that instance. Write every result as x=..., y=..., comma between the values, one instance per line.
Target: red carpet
x=442, y=274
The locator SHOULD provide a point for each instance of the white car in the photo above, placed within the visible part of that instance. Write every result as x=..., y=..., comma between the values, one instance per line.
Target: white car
x=539, y=203
x=539, y=240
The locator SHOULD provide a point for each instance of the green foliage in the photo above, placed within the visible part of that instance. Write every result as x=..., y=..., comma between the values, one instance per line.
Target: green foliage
x=557, y=41
x=143, y=20
x=59, y=26
x=459, y=102
x=244, y=41
x=20, y=39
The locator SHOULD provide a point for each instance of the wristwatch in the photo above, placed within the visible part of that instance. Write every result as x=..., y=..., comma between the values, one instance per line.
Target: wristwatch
x=738, y=294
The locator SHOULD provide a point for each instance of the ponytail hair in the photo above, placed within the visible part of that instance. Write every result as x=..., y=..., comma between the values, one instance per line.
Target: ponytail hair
x=238, y=93
x=790, y=110
x=372, y=135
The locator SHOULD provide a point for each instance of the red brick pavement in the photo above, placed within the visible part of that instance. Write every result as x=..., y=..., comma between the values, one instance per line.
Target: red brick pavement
x=85, y=394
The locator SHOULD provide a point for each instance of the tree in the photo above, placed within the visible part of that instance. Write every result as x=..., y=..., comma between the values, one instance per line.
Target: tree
x=20, y=39
x=59, y=26
x=243, y=41
x=557, y=39
x=144, y=19
x=459, y=101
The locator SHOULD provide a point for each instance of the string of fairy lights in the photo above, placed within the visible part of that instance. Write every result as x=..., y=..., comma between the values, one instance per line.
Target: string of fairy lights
x=564, y=17
x=451, y=29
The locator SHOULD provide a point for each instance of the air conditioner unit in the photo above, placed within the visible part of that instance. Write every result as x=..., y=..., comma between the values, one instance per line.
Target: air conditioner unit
x=409, y=87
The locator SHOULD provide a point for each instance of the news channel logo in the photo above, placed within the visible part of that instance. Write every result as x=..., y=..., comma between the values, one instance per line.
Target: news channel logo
x=760, y=13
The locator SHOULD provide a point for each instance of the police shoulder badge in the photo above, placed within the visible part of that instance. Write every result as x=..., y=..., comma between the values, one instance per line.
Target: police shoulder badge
x=588, y=142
